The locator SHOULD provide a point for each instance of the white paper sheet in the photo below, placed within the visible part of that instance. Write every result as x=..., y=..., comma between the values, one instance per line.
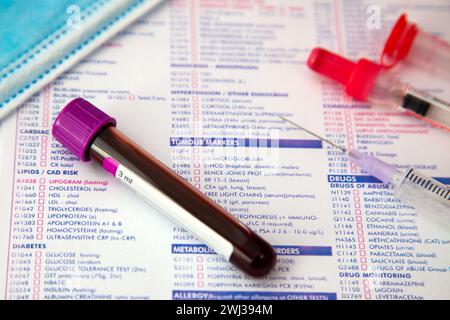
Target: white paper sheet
x=203, y=72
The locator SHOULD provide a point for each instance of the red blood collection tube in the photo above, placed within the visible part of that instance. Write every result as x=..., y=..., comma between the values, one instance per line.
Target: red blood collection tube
x=91, y=134
x=365, y=80
x=409, y=43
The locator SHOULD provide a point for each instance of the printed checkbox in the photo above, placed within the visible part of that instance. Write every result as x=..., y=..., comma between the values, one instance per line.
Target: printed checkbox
x=200, y=275
x=43, y=157
x=40, y=215
x=45, y=124
x=356, y=192
x=39, y=229
x=358, y=212
x=37, y=268
x=366, y=289
x=357, y=205
x=44, y=144
x=42, y=187
x=356, y=199
x=131, y=97
x=360, y=239
x=363, y=260
x=358, y=219
x=41, y=201
x=41, y=194
x=45, y=118
x=39, y=236
x=44, y=150
x=37, y=275
x=365, y=282
x=44, y=138
x=196, y=171
x=196, y=111
x=367, y=296
x=197, y=185
x=196, y=165
x=360, y=232
x=199, y=259
x=199, y=267
x=37, y=260
x=40, y=208
x=35, y=296
x=36, y=289
x=359, y=226
x=40, y=222
x=196, y=118
x=41, y=180
x=43, y=164
x=362, y=253
x=197, y=179
x=37, y=282
x=38, y=254
x=364, y=267
x=361, y=245
x=196, y=158
x=200, y=284
x=195, y=125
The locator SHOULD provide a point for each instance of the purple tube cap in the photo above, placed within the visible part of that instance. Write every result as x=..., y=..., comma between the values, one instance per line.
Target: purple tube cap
x=77, y=125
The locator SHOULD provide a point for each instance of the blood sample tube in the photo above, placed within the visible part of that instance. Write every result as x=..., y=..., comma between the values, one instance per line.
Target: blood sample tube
x=91, y=134
x=407, y=42
x=372, y=82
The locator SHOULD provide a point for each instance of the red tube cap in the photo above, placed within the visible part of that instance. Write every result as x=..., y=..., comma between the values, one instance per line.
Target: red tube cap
x=399, y=42
x=358, y=78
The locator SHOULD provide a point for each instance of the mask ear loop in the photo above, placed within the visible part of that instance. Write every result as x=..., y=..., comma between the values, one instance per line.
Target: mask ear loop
x=399, y=42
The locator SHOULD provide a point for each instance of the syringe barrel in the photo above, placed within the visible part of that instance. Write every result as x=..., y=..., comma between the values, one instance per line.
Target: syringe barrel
x=390, y=91
x=426, y=194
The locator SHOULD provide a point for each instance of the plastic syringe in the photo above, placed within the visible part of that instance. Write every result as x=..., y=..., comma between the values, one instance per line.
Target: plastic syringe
x=426, y=194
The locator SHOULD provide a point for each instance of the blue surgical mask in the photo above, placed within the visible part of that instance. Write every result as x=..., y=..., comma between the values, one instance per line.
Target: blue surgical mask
x=41, y=39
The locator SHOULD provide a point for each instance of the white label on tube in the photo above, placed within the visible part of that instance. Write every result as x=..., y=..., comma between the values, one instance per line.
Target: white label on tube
x=174, y=211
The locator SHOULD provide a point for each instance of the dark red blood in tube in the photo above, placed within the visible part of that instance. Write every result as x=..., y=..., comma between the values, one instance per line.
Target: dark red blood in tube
x=251, y=253
x=91, y=134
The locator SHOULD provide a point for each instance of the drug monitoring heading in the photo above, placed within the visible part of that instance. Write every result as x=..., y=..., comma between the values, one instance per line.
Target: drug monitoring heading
x=426, y=194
